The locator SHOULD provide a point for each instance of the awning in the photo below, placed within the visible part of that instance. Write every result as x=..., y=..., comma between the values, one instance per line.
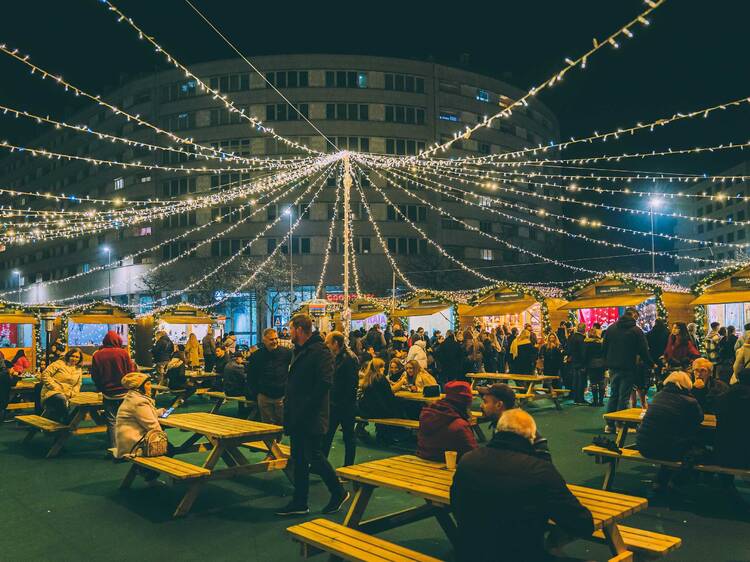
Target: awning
x=722, y=297
x=605, y=302
x=101, y=319
x=365, y=314
x=499, y=308
x=182, y=319
x=426, y=311
x=18, y=319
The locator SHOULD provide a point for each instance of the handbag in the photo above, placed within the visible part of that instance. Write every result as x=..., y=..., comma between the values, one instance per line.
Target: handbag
x=153, y=444
x=432, y=391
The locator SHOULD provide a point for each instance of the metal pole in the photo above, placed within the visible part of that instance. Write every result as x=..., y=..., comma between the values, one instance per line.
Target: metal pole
x=653, y=256
x=346, y=312
x=19, y=286
x=393, y=292
x=109, y=271
x=291, y=264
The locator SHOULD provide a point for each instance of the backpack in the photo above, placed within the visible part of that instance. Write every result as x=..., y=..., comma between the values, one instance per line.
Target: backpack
x=153, y=444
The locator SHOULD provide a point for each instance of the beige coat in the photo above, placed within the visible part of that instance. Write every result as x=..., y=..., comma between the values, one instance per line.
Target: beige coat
x=194, y=352
x=136, y=417
x=61, y=378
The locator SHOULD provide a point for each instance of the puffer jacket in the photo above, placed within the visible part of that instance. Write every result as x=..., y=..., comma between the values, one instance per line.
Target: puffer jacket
x=61, y=378
x=136, y=416
x=418, y=353
x=442, y=427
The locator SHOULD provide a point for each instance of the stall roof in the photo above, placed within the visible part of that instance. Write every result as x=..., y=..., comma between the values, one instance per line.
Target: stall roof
x=424, y=311
x=722, y=297
x=606, y=302
x=100, y=313
x=184, y=313
x=499, y=308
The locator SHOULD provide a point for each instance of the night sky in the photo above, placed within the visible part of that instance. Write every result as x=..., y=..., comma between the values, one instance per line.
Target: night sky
x=694, y=54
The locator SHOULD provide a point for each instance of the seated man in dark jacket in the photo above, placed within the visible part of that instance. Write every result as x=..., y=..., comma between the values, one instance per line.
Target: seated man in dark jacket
x=234, y=382
x=732, y=421
x=507, y=472
x=444, y=425
x=706, y=387
x=267, y=371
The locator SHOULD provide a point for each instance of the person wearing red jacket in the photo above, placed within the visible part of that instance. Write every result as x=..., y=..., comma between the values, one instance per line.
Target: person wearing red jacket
x=108, y=365
x=444, y=425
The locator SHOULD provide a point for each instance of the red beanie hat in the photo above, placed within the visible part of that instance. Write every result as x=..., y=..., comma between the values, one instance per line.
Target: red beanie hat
x=459, y=392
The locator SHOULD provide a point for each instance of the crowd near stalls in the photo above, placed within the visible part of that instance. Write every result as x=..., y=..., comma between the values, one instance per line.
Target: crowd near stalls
x=179, y=323
x=427, y=311
x=84, y=327
x=725, y=298
x=20, y=331
x=366, y=313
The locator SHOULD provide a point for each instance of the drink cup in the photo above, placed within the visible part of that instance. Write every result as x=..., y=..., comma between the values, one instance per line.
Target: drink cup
x=450, y=460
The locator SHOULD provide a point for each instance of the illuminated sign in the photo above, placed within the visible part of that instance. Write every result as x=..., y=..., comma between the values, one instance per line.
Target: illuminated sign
x=613, y=290
x=514, y=296
x=740, y=282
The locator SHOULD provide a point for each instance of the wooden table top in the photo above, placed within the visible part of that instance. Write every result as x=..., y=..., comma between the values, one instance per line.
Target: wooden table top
x=86, y=399
x=634, y=416
x=432, y=481
x=511, y=376
x=416, y=396
x=220, y=427
x=200, y=374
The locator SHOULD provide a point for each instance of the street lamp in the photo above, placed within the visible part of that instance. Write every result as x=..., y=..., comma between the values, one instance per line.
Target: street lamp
x=17, y=273
x=109, y=270
x=288, y=212
x=653, y=203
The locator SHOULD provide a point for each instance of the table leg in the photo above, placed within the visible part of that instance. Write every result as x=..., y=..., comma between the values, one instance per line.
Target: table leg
x=189, y=498
x=447, y=523
x=551, y=390
x=622, y=435
x=129, y=477
x=30, y=435
x=217, y=405
x=614, y=540
x=63, y=436
x=357, y=508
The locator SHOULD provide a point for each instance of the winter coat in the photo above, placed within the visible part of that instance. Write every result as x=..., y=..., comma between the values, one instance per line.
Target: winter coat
x=209, y=344
x=593, y=359
x=657, y=340
x=671, y=424
x=712, y=346
x=451, y=359
x=508, y=472
x=726, y=350
x=732, y=421
x=136, y=416
x=574, y=350
x=230, y=344
x=523, y=363
x=680, y=353
x=399, y=340
x=21, y=365
x=306, y=408
x=553, y=360
x=442, y=427
x=417, y=353
x=376, y=339
x=234, y=379
x=267, y=371
x=709, y=395
x=378, y=401
x=490, y=357
x=741, y=361
x=162, y=350
x=345, y=383
x=624, y=342
x=109, y=364
x=61, y=378
x=194, y=353
x=176, y=373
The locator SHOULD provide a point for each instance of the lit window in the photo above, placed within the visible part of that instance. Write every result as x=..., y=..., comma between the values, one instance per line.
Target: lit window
x=485, y=201
x=119, y=183
x=144, y=231
x=85, y=268
x=145, y=179
x=483, y=95
x=486, y=254
x=361, y=80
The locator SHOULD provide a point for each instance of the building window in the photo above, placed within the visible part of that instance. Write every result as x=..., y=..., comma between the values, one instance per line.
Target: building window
x=483, y=95
x=282, y=112
x=740, y=235
x=225, y=117
x=407, y=246
x=700, y=229
x=403, y=146
x=119, y=183
x=346, y=79
x=404, y=83
x=404, y=114
x=85, y=268
x=450, y=223
x=740, y=215
x=182, y=186
x=347, y=111
x=415, y=213
x=230, y=82
x=143, y=231
x=484, y=148
x=288, y=79
x=361, y=144
x=485, y=226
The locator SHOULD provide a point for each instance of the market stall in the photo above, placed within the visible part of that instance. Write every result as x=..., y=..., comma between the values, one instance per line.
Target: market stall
x=326, y=315
x=723, y=297
x=85, y=326
x=20, y=330
x=428, y=311
x=366, y=313
x=514, y=306
x=603, y=300
x=178, y=321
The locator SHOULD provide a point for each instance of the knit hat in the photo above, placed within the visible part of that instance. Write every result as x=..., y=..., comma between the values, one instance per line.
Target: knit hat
x=133, y=381
x=458, y=392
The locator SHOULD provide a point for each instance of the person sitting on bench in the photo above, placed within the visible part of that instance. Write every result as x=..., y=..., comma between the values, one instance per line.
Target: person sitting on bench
x=706, y=387
x=376, y=398
x=444, y=425
x=732, y=421
x=671, y=425
x=60, y=382
x=175, y=372
x=415, y=378
x=503, y=497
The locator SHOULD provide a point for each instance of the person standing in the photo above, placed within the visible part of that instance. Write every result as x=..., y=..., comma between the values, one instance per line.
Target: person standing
x=593, y=359
x=267, y=370
x=306, y=416
x=523, y=354
x=162, y=353
x=451, y=358
x=108, y=365
x=209, y=350
x=551, y=355
x=193, y=352
x=726, y=355
x=712, y=343
x=375, y=339
x=624, y=342
x=343, y=396
x=575, y=354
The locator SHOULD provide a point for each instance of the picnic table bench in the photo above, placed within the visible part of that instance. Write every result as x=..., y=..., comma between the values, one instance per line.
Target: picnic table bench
x=84, y=405
x=18, y=392
x=537, y=387
x=220, y=398
x=193, y=386
x=476, y=416
x=224, y=437
x=431, y=482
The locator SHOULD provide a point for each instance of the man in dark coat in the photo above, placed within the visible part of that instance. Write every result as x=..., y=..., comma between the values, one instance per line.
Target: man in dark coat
x=574, y=350
x=732, y=421
x=306, y=416
x=375, y=339
x=162, y=352
x=507, y=472
x=623, y=343
x=451, y=358
x=706, y=387
x=343, y=396
x=267, y=370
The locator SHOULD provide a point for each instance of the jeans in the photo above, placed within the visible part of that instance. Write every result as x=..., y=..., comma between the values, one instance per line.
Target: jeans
x=346, y=421
x=111, y=405
x=621, y=386
x=271, y=409
x=579, y=384
x=56, y=408
x=307, y=452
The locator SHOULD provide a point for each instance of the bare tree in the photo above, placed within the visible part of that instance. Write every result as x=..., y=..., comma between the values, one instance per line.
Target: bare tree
x=158, y=281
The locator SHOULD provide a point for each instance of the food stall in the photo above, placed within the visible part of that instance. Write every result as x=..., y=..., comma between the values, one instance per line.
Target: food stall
x=515, y=306
x=85, y=326
x=366, y=313
x=604, y=300
x=723, y=297
x=429, y=311
x=20, y=328
x=326, y=315
x=178, y=321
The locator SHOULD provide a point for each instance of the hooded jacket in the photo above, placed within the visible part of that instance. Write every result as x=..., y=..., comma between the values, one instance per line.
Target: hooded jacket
x=451, y=359
x=508, y=472
x=624, y=342
x=444, y=427
x=109, y=364
x=417, y=353
x=306, y=408
x=136, y=416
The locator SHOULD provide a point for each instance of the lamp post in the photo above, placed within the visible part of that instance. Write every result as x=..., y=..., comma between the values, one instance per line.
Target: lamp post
x=17, y=273
x=109, y=270
x=288, y=212
x=654, y=203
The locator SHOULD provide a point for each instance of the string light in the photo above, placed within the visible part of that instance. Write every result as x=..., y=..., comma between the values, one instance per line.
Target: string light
x=326, y=256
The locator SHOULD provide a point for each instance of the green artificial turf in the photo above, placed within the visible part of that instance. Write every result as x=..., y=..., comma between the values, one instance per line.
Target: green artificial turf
x=70, y=508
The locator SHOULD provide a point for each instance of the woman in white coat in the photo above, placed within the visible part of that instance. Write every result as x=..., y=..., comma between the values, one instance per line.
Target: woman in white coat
x=137, y=415
x=61, y=380
x=418, y=353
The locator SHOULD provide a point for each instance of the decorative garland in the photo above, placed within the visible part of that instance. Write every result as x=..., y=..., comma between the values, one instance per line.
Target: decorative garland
x=83, y=308
x=452, y=304
x=537, y=294
x=701, y=312
x=158, y=313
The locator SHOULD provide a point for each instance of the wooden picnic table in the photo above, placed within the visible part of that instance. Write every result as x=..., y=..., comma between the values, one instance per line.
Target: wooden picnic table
x=224, y=437
x=193, y=386
x=631, y=418
x=431, y=482
x=537, y=386
x=419, y=397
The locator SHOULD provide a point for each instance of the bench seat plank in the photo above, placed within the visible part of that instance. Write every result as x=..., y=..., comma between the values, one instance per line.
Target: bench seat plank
x=261, y=446
x=645, y=541
x=175, y=468
x=41, y=423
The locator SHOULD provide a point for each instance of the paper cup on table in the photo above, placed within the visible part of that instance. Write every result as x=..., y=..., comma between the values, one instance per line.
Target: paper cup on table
x=450, y=460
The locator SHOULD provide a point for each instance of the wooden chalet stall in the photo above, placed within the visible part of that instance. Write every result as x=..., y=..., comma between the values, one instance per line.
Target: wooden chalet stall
x=723, y=297
x=366, y=313
x=85, y=326
x=20, y=330
x=604, y=300
x=515, y=305
x=179, y=321
x=428, y=311
x=326, y=315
